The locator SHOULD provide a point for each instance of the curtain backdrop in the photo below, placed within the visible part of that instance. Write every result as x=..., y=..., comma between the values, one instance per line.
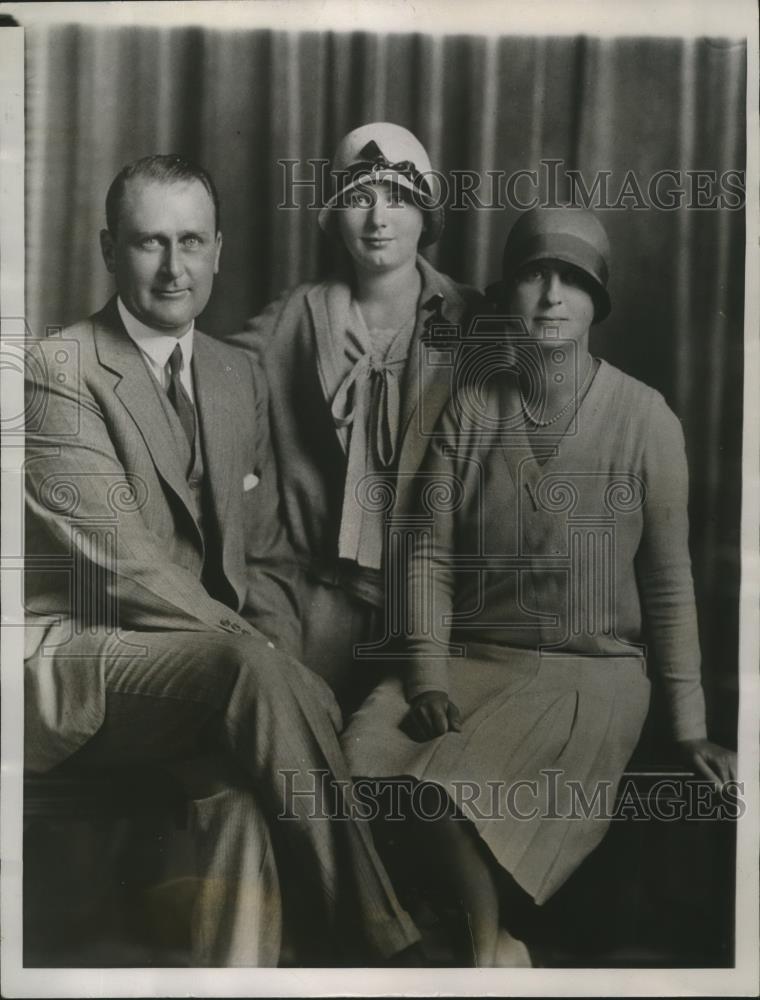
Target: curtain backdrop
x=240, y=101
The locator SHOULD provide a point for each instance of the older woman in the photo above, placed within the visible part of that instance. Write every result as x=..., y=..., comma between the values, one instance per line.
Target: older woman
x=342, y=360
x=563, y=550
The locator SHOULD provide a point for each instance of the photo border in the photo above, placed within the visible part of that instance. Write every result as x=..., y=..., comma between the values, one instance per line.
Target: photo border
x=677, y=17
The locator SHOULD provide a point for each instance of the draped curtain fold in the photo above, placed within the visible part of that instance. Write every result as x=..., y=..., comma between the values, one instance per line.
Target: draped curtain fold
x=240, y=101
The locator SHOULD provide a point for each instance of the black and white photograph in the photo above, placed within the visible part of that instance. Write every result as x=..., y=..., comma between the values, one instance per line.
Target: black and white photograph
x=380, y=507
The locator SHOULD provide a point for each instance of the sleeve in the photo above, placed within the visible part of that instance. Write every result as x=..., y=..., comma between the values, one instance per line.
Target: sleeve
x=257, y=335
x=663, y=567
x=430, y=576
x=273, y=574
x=84, y=508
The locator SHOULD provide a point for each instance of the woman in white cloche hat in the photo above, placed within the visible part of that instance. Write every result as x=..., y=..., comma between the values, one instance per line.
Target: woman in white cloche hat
x=346, y=380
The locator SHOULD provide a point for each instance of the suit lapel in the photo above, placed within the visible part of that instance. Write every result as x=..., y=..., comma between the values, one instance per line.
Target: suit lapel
x=218, y=423
x=324, y=302
x=138, y=391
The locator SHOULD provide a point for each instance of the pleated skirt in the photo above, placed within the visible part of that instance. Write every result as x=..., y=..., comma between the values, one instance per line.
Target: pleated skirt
x=544, y=743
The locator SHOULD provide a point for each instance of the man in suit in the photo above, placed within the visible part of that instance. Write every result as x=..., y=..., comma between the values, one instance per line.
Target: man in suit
x=170, y=630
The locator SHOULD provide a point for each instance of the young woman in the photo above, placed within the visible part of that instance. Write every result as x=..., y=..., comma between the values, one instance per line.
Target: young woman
x=563, y=551
x=342, y=358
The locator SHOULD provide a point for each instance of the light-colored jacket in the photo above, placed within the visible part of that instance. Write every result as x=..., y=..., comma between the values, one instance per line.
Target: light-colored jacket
x=112, y=536
x=292, y=339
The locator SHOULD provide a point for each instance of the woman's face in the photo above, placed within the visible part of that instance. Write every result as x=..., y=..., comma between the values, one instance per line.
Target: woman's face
x=379, y=228
x=550, y=293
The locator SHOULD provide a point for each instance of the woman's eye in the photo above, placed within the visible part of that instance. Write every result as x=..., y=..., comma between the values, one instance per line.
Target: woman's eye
x=360, y=199
x=532, y=274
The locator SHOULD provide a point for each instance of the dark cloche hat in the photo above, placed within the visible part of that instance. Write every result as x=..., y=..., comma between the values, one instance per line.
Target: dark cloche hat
x=572, y=235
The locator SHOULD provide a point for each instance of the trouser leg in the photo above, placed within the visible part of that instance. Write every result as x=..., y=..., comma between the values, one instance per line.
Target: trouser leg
x=231, y=892
x=281, y=723
x=278, y=721
x=237, y=914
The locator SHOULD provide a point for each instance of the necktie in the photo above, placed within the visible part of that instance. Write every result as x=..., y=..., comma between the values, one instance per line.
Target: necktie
x=179, y=397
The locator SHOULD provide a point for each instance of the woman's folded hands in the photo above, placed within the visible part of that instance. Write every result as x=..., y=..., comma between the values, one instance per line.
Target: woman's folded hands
x=431, y=714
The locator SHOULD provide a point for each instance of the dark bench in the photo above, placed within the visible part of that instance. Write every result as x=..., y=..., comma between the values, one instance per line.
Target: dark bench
x=94, y=847
x=653, y=894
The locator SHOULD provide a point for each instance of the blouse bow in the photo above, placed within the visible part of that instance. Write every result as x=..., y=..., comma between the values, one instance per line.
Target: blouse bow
x=367, y=404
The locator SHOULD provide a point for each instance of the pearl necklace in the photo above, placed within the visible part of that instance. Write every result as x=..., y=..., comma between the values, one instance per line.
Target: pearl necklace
x=573, y=399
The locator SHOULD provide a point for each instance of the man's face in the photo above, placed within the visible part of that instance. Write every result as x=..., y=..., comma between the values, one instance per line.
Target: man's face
x=165, y=253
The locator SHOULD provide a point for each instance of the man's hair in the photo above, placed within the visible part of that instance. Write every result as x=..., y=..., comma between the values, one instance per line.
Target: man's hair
x=164, y=168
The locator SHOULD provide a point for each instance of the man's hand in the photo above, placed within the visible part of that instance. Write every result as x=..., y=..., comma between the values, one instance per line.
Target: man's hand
x=431, y=714
x=710, y=760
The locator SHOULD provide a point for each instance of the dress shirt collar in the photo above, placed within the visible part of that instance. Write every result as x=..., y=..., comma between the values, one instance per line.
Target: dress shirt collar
x=156, y=344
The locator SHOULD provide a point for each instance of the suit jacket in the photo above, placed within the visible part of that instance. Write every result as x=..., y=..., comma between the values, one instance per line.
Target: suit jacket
x=292, y=340
x=112, y=536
